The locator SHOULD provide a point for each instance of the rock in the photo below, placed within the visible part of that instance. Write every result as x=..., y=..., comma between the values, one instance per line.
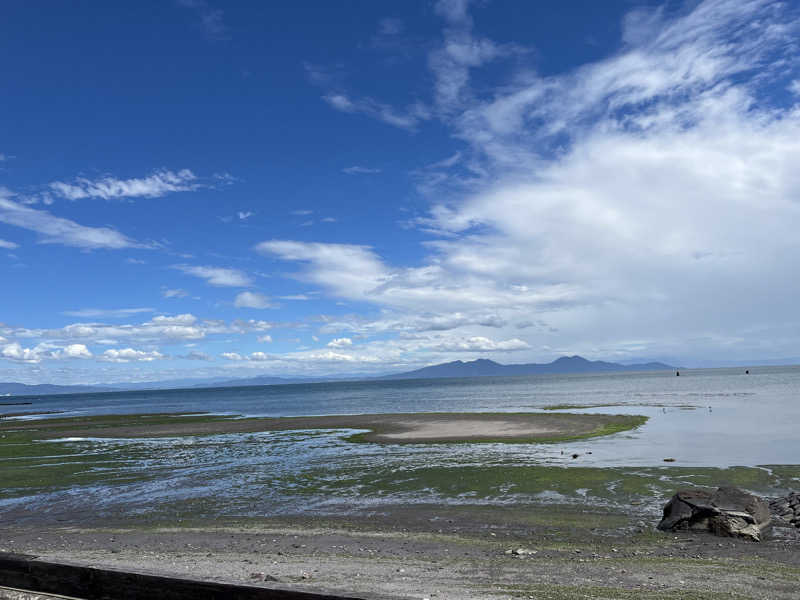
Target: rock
x=727, y=512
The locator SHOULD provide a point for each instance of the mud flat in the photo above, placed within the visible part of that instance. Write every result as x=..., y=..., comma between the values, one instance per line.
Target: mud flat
x=392, y=428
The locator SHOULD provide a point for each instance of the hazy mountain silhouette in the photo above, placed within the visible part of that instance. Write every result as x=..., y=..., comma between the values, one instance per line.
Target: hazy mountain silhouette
x=483, y=367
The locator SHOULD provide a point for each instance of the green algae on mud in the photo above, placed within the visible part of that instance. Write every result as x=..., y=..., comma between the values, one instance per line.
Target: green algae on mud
x=503, y=483
x=394, y=428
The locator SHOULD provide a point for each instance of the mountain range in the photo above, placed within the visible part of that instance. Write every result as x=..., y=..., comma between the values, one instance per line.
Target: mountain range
x=483, y=367
x=476, y=368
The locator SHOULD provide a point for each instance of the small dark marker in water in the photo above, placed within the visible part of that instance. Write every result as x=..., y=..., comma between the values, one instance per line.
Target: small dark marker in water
x=747, y=372
x=677, y=373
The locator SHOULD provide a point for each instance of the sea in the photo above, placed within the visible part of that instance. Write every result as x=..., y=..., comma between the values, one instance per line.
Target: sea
x=704, y=418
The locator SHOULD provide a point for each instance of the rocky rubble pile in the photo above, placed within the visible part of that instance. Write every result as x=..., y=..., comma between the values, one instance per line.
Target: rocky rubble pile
x=787, y=508
x=727, y=512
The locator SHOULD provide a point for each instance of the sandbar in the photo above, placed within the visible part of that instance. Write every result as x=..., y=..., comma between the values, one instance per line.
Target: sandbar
x=399, y=428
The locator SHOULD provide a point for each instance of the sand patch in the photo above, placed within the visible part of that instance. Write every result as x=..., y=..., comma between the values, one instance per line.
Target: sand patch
x=442, y=429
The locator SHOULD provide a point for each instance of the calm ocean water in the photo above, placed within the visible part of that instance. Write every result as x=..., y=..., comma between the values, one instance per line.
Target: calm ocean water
x=704, y=418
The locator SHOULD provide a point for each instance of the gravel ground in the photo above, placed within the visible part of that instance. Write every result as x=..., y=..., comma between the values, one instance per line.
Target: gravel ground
x=438, y=552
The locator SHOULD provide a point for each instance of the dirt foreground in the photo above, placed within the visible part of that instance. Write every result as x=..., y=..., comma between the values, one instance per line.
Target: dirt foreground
x=439, y=552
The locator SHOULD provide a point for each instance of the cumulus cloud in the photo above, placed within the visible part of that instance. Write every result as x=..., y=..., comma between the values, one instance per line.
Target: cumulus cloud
x=252, y=300
x=57, y=230
x=76, y=351
x=628, y=206
x=217, y=276
x=156, y=185
x=340, y=343
x=124, y=355
x=265, y=339
x=15, y=352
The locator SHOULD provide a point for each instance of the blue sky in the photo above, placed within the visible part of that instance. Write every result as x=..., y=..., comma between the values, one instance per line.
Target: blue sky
x=203, y=189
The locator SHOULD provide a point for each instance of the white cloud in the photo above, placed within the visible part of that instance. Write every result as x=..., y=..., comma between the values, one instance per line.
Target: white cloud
x=8, y=245
x=232, y=356
x=358, y=170
x=252, y=300
x=107, y=313
x=185, y=319
x=243, y=215
x=217, y=276
x=57, y=230
x=265, y=339
x=196, y=355
x=630, y=205
x=295, y=297
x=77, y=351
x=481, y=344
x=124, y=355
x=407, y=118
x=174, y=293
x=157, y=331
x=156, y=185
x=15, y=352
x=340, y=343
x=350, y=270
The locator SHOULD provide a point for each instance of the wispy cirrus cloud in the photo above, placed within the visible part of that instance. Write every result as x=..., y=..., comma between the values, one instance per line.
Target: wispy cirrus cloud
x=8, y=245
x=174, y=293
x=407, y=118
x=217, y=276
x=359, y=170
x=156, y=185
x=58, y=230
x=210, y=18
x=112, y=313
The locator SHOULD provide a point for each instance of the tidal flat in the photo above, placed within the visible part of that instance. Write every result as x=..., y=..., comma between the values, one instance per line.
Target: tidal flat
x=315, y=503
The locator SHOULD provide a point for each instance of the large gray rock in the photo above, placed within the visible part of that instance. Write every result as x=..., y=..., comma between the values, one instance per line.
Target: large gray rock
x=728, y=512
